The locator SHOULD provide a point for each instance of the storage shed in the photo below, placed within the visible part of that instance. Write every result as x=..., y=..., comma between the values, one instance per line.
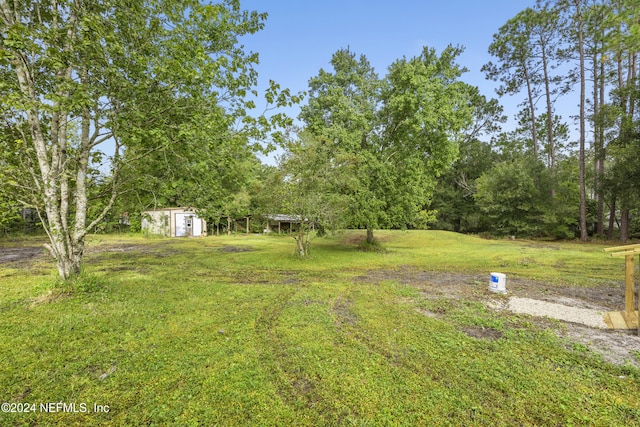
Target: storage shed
x=173, y=222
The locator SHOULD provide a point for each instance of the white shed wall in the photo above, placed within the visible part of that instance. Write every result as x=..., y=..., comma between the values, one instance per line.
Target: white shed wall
x=173, y=222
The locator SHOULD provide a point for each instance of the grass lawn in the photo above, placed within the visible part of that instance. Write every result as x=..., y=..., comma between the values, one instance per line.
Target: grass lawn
x=237, y=331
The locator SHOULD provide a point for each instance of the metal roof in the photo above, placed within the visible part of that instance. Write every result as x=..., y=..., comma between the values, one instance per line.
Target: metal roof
x=284, y=218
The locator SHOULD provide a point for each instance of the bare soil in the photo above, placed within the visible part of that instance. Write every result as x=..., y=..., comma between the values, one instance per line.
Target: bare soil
x=235, y=249
x=21, y=255
x=616, y=346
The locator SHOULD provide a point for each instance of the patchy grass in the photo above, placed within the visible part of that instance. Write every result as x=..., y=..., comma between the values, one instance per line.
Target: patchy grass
x=238, y=331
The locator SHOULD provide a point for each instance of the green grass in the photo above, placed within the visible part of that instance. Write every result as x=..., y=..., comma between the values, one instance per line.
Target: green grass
x=238, y=331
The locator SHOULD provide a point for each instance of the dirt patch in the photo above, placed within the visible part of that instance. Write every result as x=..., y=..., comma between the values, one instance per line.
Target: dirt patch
x=608, y=297
x=263, y=277
x=343, y=313
x=119, y=268
x=49, y=297
x=21, y=255
x=235, y=249
x=429, y=313
x=482, y=333
x=615, y=346
x=111, y=252
x=432, y=284
x=359, y=239
x=303, y=386
x=138, y=249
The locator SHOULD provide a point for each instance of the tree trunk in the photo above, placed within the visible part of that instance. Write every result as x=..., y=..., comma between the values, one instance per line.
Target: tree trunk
x=301, y=245
x=599, y=148
x=547, y=89
x=612, y=218
x=370, y=239
x=624, y=225
x=582, y=155
x=532, y=111
x=67, y=254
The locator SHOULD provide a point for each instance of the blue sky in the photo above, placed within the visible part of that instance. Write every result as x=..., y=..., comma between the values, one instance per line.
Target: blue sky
x=300, y=36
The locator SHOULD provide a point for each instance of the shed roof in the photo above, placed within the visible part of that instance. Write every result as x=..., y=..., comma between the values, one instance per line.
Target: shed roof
x=284, y=218
x=186, y=209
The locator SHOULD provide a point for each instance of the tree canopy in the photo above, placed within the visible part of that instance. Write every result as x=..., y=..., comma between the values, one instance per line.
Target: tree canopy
x=152, y=78
x=396, y=133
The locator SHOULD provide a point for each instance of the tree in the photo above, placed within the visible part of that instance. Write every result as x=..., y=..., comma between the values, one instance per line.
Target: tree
x=597, y=30
x=576, y=9
x=133, y=74
x=623, y=41
x=592, y=37
x=208, y=167
x=427, y=112
x=400, y=133
x=516, y=69
x=341, y=111
x=453, y=199
x=311, y=184
x=514, y=194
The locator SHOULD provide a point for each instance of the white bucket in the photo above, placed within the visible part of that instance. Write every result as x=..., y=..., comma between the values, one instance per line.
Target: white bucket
x=498, y=283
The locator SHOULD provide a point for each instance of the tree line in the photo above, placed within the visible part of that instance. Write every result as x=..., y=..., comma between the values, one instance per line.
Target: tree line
x=112, y=107
x=539, y=179
x=427, y=150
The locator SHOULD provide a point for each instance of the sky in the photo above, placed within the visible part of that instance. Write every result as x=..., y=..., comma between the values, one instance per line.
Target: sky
x=301, y=35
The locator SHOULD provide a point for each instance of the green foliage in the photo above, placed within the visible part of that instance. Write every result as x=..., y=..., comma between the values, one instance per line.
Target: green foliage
x=310, y=184
x=396, y=134
x=517, y=198
x=513, y=195
x=454, y=196
x=9, y=212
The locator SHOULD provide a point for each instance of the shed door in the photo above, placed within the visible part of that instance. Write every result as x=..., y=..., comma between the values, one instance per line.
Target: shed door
x=181, y=224
x=188, y=225
x=197, y=227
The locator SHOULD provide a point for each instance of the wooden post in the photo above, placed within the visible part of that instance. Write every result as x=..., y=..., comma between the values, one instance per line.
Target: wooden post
x=630, y=315
x=629, y=285
x=247, y=225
